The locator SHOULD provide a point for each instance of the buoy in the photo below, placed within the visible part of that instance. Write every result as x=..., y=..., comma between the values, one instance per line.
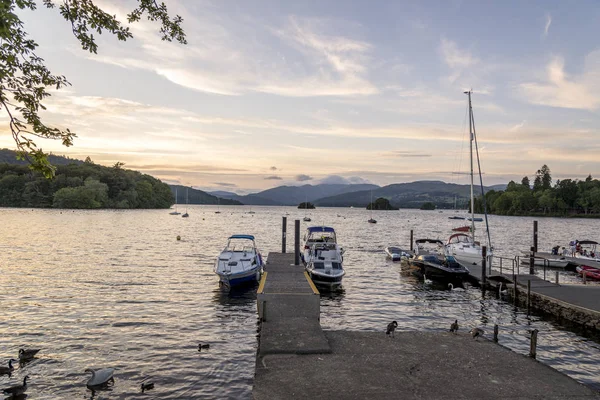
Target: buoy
x=178, y=237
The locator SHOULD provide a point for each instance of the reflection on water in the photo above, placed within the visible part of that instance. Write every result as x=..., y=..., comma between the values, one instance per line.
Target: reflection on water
x=97, y=289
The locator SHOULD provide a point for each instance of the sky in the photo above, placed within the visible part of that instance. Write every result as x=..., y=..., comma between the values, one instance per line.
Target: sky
x=268, y=93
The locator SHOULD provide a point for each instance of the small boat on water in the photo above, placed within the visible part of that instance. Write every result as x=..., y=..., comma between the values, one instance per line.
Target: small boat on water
x=439, y=267
x=553, y=262
x=240, y=262
x=323, y=257
x=396, y=253
x=590, y=272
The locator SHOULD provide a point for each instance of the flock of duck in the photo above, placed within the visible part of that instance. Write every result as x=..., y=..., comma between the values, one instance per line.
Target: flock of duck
x=101, y=378
x=475, y=332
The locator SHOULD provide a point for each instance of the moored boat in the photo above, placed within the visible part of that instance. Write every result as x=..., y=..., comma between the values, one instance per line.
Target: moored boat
x=323, y=257
x=590, y=272
x=240, y=262
x=396, y=253
x=438, y=267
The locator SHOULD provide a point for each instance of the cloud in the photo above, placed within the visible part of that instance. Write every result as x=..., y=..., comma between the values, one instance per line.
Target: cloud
x=302, y=178
x=517, y=127
x=561, y=90
x=224, y=184
x=456, y=58
x=404, y=153
x=273, y=177
x=547, y=26
x=273, y=168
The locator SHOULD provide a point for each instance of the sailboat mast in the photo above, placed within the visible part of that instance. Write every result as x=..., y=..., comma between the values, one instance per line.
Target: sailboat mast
x=471, y=156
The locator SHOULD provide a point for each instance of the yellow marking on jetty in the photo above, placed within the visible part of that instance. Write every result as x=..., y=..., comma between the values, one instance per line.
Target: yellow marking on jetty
x=263, y=279
x=311, y=283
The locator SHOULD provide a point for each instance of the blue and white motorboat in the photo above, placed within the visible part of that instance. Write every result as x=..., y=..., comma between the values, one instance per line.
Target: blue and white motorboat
x=240, y=262
x=323, y=257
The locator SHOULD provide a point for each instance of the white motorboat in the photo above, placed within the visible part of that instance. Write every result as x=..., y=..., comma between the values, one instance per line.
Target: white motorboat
x=587, y=250
x=462, y=245
x=395, y=253
x=322, y=256
x=550, y=262
x=240, y=262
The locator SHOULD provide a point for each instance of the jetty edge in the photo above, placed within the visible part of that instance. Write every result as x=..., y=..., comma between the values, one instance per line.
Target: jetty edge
x=297, y=359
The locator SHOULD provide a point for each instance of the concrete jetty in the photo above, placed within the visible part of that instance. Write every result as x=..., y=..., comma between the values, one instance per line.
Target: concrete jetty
x=297, y=359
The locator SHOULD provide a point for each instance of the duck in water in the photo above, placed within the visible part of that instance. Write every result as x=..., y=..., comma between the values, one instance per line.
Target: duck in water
x=17, y=390
x=7, y=370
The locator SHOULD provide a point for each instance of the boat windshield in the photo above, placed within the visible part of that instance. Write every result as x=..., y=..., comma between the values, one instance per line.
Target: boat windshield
x=320, y=237
x=460, y=238
x=240, y=246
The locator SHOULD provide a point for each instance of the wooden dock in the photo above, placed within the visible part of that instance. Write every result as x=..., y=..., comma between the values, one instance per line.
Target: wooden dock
x=297, y=359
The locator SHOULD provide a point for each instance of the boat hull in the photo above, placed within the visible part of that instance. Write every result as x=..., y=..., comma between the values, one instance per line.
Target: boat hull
x=590, y=272
x=240, y=278
x=329, y=281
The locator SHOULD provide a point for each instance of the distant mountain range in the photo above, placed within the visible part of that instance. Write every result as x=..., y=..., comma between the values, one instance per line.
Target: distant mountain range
x=403, y=195
x=190, y=195
x=10, y=157
x=294, y=195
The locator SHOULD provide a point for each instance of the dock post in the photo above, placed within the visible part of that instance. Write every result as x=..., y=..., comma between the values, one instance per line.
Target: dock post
x=535, y=236
x=584, y=276
x=496, y=333
x=528, y=295
x=411, y=240
x=533, y=344
x=297, y=242
x=283, y=234
x=557, y=277
x=264, y=311
x=483, y=261
x=532, y=261
x=515, y=294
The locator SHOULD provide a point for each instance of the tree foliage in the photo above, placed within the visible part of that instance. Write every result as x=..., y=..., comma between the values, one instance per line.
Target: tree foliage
x=85, y=185
x=24, y=78
x=567, y=197
x=381, y=204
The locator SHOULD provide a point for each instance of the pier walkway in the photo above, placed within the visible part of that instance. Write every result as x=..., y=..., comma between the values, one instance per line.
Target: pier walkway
x=297, y=359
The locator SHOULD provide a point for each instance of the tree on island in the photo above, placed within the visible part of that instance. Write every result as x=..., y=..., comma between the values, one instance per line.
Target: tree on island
x=428, y=206
x=381, y=204
x=306, y=205
x=24, y=77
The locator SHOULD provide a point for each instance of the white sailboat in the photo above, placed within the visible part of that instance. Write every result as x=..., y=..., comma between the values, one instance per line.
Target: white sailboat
x=306, y=218
x=462, y=245
x=372, y=220
x=185, y=215
x=175, y=212
x=218, y=206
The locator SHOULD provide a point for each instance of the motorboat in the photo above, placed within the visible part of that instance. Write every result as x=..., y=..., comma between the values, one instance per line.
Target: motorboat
x=548, y=262
x=462, y=244
x=590, y=272
x=587, y=250
x=438, y=267
x=396, y=253
x=240, y=262
x=322, y=256
x=429, y=246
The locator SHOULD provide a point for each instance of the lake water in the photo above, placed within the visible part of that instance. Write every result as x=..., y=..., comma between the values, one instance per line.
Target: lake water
x=97, y=289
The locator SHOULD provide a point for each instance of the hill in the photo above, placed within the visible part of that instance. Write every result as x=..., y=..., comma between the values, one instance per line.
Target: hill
x=10, y=157
x=195, y=196
x=408, y=195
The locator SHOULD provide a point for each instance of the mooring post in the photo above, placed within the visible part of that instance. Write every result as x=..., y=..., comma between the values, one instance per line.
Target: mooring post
x=496, y=333
x=483, y=261
x=531, y=260
x=557, y=277
x=533, y=344
x=535, y=236
x=297, y=242
x=264, y=311
x=528, y=295
x=411, y=240
x=584, y=276
x=515, y=289
x=283, y=234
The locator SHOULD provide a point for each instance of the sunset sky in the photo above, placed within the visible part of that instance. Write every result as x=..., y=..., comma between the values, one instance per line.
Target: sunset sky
x=269, y=93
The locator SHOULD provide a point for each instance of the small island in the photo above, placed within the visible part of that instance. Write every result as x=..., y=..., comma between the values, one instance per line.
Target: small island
x=428, y=206
x=306, y=205
x=381, y=204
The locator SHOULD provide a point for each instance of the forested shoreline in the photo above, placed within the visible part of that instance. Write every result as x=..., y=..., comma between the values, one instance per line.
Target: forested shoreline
x=566, y=198
x=84, y=186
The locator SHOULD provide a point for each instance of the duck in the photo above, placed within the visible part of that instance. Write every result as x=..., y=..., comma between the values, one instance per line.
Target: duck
x=203, y=346
x=9, y=369
x=147, y=386
x=456, y=289
x=17, y=389
x=100, y=376
x=476, y=332
x=391, y=328
x=454, y=326
x=26, y=355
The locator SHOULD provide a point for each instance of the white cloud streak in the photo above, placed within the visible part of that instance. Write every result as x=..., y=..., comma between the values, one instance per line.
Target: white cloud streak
x=547, y=26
